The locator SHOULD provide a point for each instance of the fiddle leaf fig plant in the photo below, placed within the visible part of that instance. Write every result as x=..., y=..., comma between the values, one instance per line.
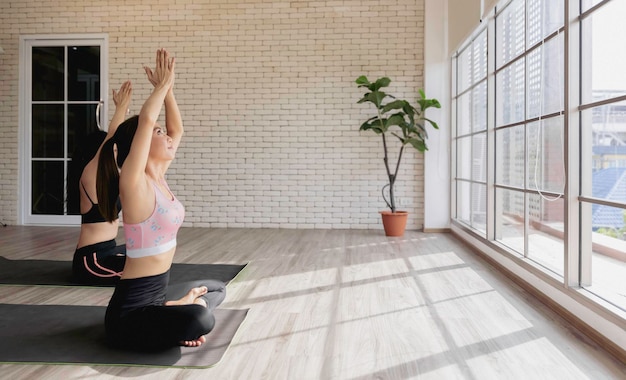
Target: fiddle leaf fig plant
x=397, y=119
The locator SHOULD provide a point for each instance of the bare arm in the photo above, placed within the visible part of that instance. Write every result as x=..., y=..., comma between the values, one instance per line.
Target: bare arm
x=173, y=119
x=133, y=177
x=121, y=99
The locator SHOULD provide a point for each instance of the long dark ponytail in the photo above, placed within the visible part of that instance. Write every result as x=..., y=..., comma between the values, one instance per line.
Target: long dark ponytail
x=108, y=177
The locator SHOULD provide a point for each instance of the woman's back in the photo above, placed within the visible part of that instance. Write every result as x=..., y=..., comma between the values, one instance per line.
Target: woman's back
x=92, y=233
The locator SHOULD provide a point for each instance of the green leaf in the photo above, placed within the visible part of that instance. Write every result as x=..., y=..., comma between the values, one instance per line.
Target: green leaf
x=417, y=144
x=434, y=124
x=362, y=81
x=395, y=105
x=372, y=125
x=427, y=103
x=376, y=97
x=395, y=119
x=380, y=82
x=409, y=109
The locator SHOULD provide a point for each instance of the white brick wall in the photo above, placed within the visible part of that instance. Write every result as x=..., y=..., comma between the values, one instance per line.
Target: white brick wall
x=268, y=98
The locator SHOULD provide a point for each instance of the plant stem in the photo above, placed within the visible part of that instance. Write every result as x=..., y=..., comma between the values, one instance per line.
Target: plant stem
x=395, y=175
x=392, y=180
x=386, y=158
x=391, y=177
x=391, y=196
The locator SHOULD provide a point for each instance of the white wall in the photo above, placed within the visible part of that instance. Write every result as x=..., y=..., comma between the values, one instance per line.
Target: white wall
x=437, y=85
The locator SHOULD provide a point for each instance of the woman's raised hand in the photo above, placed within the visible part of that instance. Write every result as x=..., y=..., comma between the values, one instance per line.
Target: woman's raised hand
x=121, y=98
x=163, y=73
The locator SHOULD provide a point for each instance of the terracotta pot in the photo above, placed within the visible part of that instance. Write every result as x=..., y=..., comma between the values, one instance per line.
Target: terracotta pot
x=394, y=222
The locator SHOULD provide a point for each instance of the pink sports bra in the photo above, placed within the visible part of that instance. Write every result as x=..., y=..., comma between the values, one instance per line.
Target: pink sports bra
x=157, y=234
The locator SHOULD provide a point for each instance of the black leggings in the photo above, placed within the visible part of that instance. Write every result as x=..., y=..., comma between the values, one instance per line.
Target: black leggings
x=99, y=264
x=137, y=318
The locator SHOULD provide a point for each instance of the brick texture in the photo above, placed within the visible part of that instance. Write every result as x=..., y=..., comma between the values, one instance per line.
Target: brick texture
x=267, y=94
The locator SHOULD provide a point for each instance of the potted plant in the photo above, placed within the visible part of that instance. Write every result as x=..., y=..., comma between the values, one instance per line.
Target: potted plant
x=397, y=118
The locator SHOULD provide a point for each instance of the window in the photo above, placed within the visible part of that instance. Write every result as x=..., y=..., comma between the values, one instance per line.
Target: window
x=512, y=118
x=603, y=151
x=471, y=142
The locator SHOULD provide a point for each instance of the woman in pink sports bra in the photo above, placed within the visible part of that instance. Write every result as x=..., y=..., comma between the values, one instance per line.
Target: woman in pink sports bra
x=145, y=313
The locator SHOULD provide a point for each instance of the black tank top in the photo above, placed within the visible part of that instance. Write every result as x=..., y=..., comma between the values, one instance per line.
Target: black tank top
x=94, y=215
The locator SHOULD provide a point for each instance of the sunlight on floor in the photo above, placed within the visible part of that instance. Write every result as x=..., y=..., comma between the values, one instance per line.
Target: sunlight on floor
x=382, y=308
x=435, y=260
x=366, y=271
x=383, y=242
x=512, y=361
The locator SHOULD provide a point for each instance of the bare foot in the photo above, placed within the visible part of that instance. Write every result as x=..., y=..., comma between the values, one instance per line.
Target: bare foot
x=193, y=343
x=193, y=297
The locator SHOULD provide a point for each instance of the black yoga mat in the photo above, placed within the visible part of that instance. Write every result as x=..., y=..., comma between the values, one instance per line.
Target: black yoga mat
x=61, y=334
x=53, y=272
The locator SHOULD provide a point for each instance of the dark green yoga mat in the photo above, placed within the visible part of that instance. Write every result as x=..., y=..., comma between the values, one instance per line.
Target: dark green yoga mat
x=60, y=334
x=53, y=272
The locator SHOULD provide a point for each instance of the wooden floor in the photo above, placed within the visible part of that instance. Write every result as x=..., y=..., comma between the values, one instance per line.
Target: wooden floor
x=341, y=304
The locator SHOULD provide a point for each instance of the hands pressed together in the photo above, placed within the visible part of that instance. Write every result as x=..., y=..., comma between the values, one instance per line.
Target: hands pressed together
x=121, y=98
x=163, y=73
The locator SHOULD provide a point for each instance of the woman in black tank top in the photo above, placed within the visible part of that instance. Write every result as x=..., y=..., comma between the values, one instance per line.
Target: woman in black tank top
x=98, y=259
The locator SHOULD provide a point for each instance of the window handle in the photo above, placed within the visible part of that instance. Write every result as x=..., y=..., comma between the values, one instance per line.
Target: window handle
x=100, y=103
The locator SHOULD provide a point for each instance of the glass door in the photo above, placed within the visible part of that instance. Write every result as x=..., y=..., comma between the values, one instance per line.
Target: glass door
x=62, y=90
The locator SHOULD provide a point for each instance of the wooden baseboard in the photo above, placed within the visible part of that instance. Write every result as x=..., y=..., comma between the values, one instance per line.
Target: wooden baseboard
x=437, y=230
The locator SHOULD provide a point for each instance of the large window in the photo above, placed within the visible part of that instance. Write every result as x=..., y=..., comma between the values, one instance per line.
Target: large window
x=511, y=96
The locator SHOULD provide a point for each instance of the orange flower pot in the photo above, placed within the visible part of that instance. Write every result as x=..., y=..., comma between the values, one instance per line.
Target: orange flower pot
x=394, y=222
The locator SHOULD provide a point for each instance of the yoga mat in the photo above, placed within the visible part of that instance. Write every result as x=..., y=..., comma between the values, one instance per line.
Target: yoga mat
x=54, y=272
x=61, y=334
